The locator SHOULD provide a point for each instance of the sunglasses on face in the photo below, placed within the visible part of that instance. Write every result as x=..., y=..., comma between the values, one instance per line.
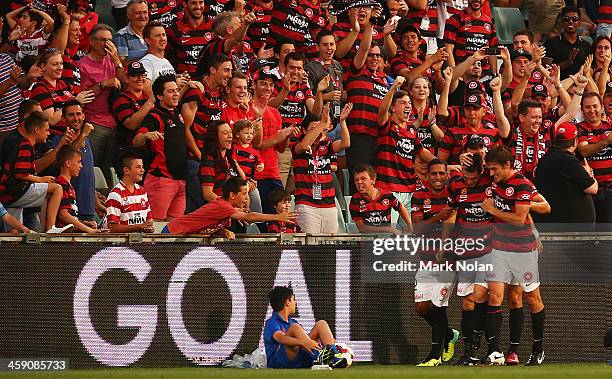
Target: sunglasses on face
x=374, y=55
x=574, y=19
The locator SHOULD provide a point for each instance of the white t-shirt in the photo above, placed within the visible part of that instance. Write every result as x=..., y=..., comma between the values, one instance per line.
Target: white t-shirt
x=156, y=67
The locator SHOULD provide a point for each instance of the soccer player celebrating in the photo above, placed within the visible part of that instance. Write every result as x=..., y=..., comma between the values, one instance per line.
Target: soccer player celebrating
x=287, y=343
x=514, y=253
x=467, y=191
x=371, y=207
x=431, y=208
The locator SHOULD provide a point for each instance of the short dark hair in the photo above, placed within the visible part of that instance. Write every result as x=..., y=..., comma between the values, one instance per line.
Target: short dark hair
x=126, y=159
x=569, y=9
x=500, y=155
x=588, y=95
x=295, y=56
x=35, y=120
x=308, y=120
x=278, y=296
x=434, y=162
x=160, y=82
x=214, y=60
x=146, y=32
x=26, y=107
x=277, y=195
x=325, y=33
x=70, y=103
x=237, y=75
x=364, y=167
x=524, y=105
x=233, y=185
x=477, y=164
x=398, y=95
x=65, y=153
x=280, y=42
x=525, y=32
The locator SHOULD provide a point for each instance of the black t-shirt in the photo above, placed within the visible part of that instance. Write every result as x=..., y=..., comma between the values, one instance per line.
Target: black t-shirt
x=561, y=179
x=559, y=49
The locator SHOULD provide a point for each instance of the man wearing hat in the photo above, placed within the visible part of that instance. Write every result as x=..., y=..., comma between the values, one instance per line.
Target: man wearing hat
x=464, y=121
x=353, y=19
x=130, y=107
x=566, y=181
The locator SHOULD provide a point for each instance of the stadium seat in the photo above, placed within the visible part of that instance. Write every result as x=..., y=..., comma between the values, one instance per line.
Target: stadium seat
x=348, y=217
x=252, y=229
x=341, y=222
x=100, y=180
x=351, y=227
x=114, y=176
x=507, y=22
x=345, y=175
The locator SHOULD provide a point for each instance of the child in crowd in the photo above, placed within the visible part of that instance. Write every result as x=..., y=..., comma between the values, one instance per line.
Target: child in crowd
x=281, y=201
x=69, y=162
x=248, y=158
x=371, y=207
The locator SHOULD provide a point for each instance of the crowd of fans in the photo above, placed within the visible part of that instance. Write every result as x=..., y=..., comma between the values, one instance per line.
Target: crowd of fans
x=286, y=95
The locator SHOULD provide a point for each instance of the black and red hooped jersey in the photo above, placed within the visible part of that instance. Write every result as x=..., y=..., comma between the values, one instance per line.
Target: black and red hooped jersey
x=472, y=221
x=457, y=131
x=426, y=20
x=295, y=20
x=507, y=196
x=165, y=11
x=426, y=204
x=283, y=227
x=365, y=90
x=601, y=163
x=402, y=61
x=69, y=201
x=247, y=158
x=469, y=34
x=123, y=107
x=605, y=12
x=528, y=149
x=397, y=148
x=171, y=151
x=187, y=43
x=342, y=29
x=214, y=172
x=293, y=109
x=258, y=32
x=209, y=108
x=312, y=169
x=374, y=212
x=52, y=97
x=17, y=163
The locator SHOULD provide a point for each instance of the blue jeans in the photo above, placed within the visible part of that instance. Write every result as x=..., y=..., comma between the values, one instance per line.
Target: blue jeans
x=193, y=188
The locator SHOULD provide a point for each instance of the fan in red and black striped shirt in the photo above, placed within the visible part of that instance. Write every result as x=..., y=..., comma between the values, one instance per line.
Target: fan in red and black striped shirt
x=247, y=157
x=298, y=21
x=371, y=207
x=51, y=95
x=463, y=122
x=398, y=143
x=258, y=32
x=408, y=62
x=165, y=11
x=426, y=20
x=199, y=109
x=188, y=36
x=469, y=31
x=18, y=163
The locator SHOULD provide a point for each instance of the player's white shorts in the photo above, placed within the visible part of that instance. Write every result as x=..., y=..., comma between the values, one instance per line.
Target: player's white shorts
x=434, y=286
x=515, y=268
x=468, y=277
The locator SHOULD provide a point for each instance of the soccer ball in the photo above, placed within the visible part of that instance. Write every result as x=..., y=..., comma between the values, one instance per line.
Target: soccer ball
x=342, y=356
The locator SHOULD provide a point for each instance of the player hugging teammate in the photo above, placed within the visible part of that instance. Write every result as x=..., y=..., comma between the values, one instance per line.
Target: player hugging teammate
x=491, y=203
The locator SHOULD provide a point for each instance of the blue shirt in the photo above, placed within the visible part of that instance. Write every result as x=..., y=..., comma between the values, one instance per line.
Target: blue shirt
x=136, y=46
x=273, y=325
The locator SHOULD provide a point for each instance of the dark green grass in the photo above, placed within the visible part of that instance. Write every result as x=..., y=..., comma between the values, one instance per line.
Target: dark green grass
x=580, y=370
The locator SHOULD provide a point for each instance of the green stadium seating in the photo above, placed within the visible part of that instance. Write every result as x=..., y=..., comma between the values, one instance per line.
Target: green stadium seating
x=507, y=22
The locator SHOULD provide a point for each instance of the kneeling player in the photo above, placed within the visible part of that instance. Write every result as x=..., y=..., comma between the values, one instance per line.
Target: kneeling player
x=430, y=208
x=514, y=253
x=287, y=343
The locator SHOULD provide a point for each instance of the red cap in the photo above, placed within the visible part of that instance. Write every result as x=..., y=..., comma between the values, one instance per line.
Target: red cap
x=566, y=131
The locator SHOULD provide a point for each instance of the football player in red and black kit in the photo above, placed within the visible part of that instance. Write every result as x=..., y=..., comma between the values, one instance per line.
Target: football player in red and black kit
x=515, y=253
x=371, y=207
x=430, y=209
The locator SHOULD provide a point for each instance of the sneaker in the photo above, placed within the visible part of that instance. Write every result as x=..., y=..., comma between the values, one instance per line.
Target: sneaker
x=535, y=359
x=55, y=230
x=449, y=348
x=430, y=362
x=512, y=359
x=495, y=358
x=467, y=360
